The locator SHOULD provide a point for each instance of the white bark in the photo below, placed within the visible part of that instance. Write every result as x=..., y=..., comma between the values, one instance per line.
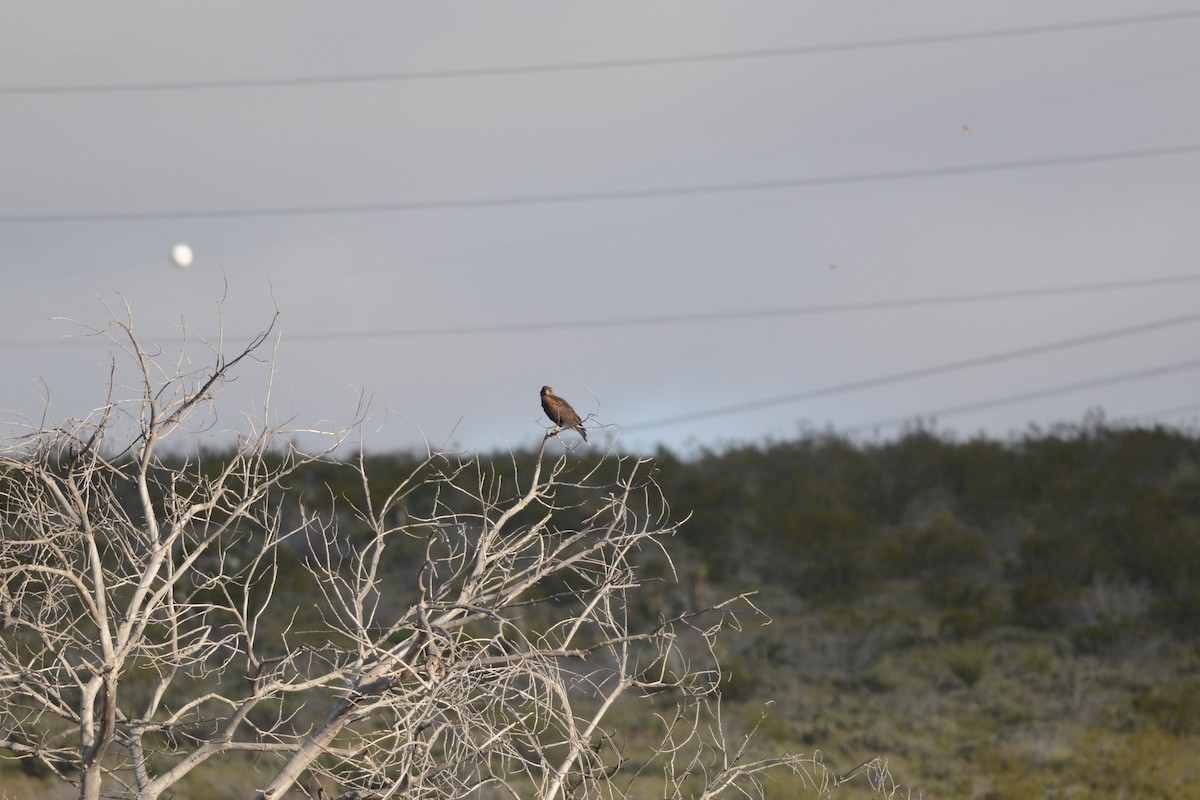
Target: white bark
x=471, y=632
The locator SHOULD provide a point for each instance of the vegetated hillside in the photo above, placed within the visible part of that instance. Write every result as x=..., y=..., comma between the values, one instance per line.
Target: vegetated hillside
x=1041, y=532
x=1003, y=619
x=999, y=619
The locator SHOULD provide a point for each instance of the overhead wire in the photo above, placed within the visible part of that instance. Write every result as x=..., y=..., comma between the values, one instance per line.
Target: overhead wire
x=646, y=193
x=1037, y=394
x=689, y=318
x=653, y=224
x=522, y=200
x=1172, y=412
x=604, y=64
x=922, y=372
x=1142, y=419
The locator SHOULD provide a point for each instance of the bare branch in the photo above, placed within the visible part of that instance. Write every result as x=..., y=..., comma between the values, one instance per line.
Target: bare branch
x=460, y=630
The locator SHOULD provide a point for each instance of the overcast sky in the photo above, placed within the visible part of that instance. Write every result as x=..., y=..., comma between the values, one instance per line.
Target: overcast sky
x=724, y=207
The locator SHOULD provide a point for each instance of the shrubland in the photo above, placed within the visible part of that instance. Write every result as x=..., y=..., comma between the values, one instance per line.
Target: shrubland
x=990, y=619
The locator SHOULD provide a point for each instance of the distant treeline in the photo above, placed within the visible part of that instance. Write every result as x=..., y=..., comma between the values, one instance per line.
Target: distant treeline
x=1092, y=530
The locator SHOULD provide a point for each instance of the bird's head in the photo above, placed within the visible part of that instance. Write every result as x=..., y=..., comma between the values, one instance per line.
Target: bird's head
x=546, y=390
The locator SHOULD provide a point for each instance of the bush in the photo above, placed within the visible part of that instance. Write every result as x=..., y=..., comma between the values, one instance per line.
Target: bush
x=970, y=662
x=1174, y=708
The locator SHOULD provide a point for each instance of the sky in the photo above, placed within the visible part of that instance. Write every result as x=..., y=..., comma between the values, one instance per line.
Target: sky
x=702, y=223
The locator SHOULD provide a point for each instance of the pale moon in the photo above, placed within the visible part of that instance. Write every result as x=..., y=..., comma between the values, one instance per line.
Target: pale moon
x=181, y=255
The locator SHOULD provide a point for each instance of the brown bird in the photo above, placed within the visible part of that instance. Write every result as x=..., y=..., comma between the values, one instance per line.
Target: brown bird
x=560, y=412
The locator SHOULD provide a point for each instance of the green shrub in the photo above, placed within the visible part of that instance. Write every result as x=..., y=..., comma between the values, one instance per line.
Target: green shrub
x=970, y=662
x=1174, y=708
x=1040, y=600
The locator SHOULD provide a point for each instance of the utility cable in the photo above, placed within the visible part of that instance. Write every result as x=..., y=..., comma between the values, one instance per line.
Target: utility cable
x=600, y=65
x=1123, y=377
x=924, y=372
x=648, y=193
x=1171, y=412
x=687, y=319
x=726, y=316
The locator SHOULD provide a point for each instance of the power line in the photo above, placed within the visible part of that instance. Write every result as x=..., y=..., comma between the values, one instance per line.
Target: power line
x=760, y=313
x=924, y=372
x=1172, y=412
x=1176, y=411
x=600, y=65
x=688, y=319
x=1123, y=377
x=648, y=193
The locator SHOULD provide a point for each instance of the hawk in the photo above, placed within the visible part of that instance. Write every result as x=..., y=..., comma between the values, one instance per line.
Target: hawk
x=560, y=412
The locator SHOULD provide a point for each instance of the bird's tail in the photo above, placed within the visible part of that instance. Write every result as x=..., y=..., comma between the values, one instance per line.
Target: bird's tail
x=582, y=432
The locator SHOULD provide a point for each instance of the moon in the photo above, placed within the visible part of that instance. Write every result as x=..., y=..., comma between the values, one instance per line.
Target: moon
x=181, y=255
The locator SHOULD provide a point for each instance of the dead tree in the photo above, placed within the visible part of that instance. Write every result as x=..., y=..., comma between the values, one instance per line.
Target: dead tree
x=459, y=634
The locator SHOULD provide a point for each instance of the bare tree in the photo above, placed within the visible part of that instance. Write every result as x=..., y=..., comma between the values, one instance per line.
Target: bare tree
x=460, y=633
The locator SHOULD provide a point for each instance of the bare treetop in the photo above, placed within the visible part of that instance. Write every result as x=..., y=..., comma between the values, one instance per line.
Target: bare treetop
x=456, y=633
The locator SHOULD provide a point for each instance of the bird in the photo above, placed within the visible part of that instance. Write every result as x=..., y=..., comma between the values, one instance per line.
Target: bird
x=560, y=412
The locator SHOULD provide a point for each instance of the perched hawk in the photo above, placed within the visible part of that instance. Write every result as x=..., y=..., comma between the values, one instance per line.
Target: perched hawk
x=560, y=412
